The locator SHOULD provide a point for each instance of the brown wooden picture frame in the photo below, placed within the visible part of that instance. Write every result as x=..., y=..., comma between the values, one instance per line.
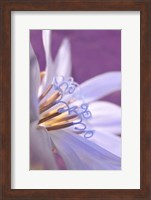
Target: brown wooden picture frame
x=6, y=6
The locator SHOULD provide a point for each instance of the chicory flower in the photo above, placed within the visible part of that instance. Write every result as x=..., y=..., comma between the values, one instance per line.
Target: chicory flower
x=66, y=133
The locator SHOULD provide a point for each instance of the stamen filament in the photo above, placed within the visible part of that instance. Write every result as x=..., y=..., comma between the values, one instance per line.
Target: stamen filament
x=50, y=102
x=49, y=117
x=45, y=93
x=59, y=126
x=42, y=74
x=60, y=119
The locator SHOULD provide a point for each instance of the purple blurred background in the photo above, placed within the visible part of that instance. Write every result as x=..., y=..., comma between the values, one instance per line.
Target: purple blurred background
x=93, y=52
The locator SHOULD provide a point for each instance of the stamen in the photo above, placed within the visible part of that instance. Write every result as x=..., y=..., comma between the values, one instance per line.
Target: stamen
x=60, y=110
x=50, y=116
x=45, y=93
x=59, y=119
x=50, y=102
x=42, y=74
x=59, y=126
x=64, y=118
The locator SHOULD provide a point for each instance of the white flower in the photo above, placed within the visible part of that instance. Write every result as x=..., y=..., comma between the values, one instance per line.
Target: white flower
x=54, y=143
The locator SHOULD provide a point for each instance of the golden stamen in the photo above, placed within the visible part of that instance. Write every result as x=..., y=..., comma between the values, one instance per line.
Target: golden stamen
x=59, y=126
x=42, y=74
x=45, y=93
x=66, y=118
x=52, y=119
x=50, y=102
x=50, y=115
x=62, y=118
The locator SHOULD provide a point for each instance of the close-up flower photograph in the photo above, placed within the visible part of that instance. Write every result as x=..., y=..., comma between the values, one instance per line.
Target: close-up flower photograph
x=75, y=100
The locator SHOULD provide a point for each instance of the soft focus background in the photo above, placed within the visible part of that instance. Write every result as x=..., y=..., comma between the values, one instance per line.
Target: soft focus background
x=93, y=52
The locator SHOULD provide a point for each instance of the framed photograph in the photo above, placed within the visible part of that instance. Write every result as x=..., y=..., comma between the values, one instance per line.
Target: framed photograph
x=75, y=100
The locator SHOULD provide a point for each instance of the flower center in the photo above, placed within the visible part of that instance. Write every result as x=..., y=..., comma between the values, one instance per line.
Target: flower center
x=60, y=107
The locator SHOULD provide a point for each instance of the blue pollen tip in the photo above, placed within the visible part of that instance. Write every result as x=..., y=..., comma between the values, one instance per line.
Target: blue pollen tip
x=89, y=133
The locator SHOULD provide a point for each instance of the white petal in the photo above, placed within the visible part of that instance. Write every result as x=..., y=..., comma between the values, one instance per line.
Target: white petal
x=50, y=69
x=111, y=143
x=34, y=85
x=41, y=148
x=106, y=116
x=63, y=60
x=92, y=156
x=71, y=160
x=100, y=86
x=46, y=37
